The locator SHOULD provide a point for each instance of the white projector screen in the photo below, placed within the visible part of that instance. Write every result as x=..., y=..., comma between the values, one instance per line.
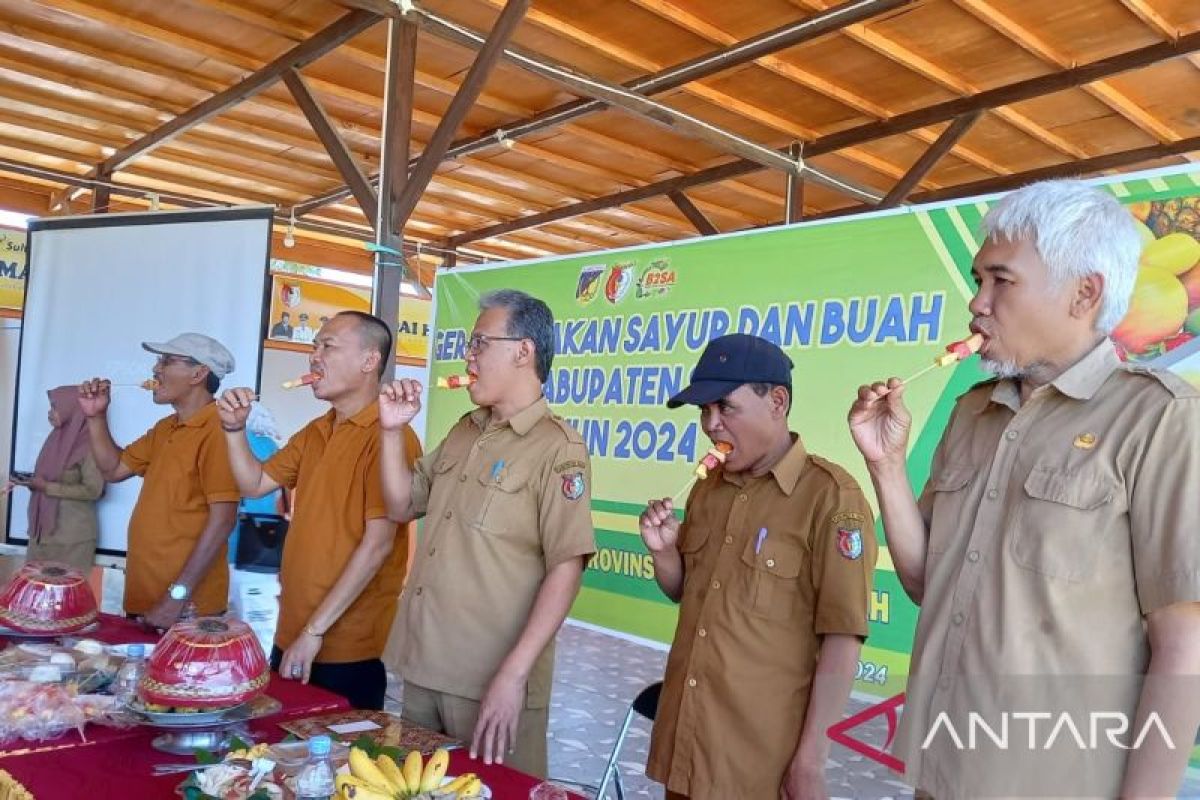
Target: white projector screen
x=98, y=287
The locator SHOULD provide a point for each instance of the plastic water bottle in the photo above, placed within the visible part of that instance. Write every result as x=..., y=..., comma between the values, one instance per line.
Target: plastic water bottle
x=130, y=674
x=315, y=780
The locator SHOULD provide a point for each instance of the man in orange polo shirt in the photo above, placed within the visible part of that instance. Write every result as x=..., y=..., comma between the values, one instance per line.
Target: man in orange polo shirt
x=188, y=502
x=342, y=564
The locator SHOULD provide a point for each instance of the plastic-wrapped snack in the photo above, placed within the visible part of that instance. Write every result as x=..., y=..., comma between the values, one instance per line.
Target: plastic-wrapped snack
x=47, y=597
x=37, y=711
x=205, y=663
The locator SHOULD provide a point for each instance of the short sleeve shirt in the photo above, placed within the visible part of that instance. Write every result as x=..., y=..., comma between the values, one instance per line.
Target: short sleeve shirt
x=185, y=468
x=1055, y=526
x=503, y=504
x=771, y=564
x=334, y=468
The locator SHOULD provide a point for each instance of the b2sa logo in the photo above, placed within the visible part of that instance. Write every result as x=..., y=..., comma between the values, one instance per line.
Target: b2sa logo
x=657, y=279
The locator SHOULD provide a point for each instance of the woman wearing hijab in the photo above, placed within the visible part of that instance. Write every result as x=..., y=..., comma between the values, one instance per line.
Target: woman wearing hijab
x=65, y=486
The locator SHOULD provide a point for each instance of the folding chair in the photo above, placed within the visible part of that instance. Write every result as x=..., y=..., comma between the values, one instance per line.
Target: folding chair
x=645, y=704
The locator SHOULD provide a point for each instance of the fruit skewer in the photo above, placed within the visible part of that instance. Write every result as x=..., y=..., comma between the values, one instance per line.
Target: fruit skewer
x=955, y=351
x=303, y=380
x=456, y=382
x=715, y=456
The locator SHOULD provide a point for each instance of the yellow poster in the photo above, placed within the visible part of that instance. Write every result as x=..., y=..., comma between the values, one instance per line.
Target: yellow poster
x=412, y=337
x=12, y=269
x=300, y=306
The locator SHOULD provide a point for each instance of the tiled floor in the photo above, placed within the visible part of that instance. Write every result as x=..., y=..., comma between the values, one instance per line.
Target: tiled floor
x=597, y=676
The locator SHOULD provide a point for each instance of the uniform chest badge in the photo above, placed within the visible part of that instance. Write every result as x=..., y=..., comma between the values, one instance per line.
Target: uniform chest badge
x=1085, y=441
x=849, y=543
x=572, y=485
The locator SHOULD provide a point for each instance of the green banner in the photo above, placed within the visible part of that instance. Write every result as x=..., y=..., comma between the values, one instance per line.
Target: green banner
x=851, y=301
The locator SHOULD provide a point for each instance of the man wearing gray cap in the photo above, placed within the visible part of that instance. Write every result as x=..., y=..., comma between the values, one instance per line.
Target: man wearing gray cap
x=188, y=502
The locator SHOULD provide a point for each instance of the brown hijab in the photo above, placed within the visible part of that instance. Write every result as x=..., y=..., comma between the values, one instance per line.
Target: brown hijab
x=66, y=446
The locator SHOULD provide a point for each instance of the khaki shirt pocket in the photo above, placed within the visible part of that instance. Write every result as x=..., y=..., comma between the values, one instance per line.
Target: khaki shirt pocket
x=949, y=492
x=774, y=577
x=505, y=505
x=691, y=545
x=1060, y=524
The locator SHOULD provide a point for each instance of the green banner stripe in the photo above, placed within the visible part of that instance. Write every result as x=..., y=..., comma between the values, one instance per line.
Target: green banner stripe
x=954, y=244
x=629, y=614
x=622, y=565
x=615, y=507
x=893, y=617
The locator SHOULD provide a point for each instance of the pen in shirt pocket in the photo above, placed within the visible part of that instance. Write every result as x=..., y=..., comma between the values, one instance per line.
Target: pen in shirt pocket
x=496, y=468
x=758, y=543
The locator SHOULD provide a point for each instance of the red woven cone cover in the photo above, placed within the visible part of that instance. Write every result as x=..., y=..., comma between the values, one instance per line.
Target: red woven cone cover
x=47, y=597
x=210, y=662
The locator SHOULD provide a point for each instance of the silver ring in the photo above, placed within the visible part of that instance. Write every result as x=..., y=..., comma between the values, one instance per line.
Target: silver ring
x=297, y=671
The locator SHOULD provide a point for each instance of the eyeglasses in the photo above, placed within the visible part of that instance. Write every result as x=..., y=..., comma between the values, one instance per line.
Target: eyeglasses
x=166, y=361
x=478, y=341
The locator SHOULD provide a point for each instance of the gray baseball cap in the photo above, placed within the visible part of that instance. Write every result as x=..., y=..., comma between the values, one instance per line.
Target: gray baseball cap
x=198, y=347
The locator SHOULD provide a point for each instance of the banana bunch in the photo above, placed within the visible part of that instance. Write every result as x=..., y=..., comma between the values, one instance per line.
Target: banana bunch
x=383, y=779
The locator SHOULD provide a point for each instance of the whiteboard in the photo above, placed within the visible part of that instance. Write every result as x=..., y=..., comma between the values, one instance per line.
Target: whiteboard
x=98, y=287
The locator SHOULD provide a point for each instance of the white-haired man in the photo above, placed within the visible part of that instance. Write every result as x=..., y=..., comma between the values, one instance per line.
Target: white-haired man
x=1053, y=551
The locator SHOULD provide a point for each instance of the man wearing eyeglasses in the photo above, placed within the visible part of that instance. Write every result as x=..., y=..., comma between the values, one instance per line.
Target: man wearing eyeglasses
x=188, y=502
x=508, y=531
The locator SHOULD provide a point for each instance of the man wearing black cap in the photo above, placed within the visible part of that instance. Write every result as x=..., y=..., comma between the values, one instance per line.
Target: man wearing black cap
x=772, y=569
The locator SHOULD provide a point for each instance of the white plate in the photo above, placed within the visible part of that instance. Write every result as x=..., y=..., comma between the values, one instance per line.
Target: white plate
x=173, y=719
x=12, y=634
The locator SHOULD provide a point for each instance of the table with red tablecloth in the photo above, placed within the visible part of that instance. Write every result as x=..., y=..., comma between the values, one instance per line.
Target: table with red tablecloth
x=118, y=764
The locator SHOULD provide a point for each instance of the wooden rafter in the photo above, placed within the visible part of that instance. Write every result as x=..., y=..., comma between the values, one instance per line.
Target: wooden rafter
x=694, y=215
x=686, y=74
x=472, y=85
x=338, y=152
x=1103, y=91
x=689, y=20
x=901, y=123
x=906, y=57
x=346, y=27
x=929, y=159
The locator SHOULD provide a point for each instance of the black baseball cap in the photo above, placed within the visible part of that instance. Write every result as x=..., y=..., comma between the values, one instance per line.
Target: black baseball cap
x=730, y=361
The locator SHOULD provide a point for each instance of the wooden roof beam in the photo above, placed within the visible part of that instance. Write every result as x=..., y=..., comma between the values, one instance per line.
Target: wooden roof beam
x=906, y=57
x=338, y=152
x=343, y=29
x=1102, y=90
x=929, y=159
x=1069, y=169
x=1156, y=22
x=672, y=11
x=435, y=150
x=659, y=81
x=694, y=215
x=618, y=97
x=901, y=123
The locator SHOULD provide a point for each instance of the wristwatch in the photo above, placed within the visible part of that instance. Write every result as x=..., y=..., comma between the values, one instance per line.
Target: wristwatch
x=178, y=591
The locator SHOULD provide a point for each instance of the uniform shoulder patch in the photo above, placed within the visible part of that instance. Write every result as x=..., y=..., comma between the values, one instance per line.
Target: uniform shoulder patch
x=849, y=526
x=573, y=485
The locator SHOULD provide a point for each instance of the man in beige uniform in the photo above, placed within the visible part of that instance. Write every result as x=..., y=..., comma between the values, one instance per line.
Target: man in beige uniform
x=507, y=534
x=1054, y=550
x=772, y=569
